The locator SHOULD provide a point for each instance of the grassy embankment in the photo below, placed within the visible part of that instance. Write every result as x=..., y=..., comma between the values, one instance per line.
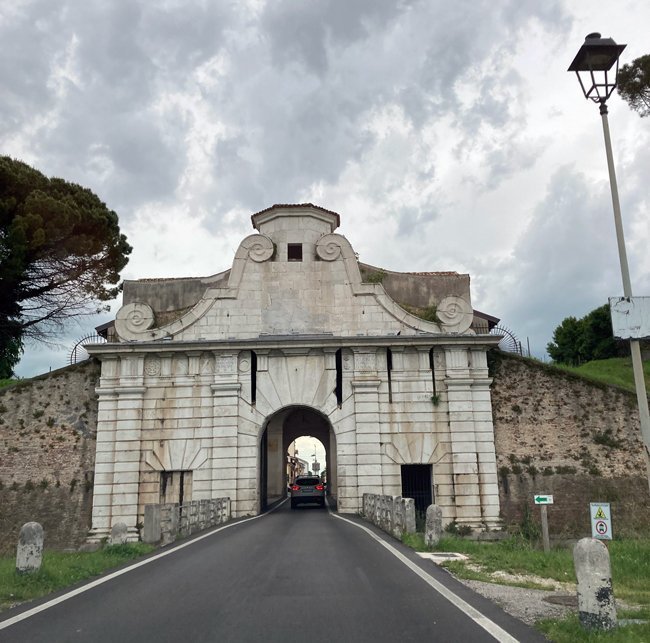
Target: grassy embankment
x=630, y=561
x=616, y=371
x=60, y=570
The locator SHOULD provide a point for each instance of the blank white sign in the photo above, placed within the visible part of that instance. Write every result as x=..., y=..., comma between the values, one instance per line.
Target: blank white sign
x=630, y=317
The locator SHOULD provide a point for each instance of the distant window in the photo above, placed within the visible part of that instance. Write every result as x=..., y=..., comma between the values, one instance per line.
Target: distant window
x=294, y=252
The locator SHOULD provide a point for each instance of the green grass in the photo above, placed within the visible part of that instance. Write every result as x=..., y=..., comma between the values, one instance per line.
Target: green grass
x=514, y=555
x=60, y=570
x=616, y=371
x=569, y=630
x=630, y=560
x=4, y=383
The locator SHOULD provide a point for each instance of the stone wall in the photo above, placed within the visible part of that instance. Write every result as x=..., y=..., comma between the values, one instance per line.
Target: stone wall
x=554, y=433
x=561, y=434
x=47, y=455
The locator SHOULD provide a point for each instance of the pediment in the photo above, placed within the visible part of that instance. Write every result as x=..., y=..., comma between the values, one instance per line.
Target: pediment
x=270, y=291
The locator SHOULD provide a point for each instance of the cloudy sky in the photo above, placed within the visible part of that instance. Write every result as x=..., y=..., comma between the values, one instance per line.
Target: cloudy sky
x=448, y=135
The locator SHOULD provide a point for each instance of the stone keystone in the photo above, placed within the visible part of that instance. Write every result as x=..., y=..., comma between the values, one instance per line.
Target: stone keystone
x=433, y=529
x=29, y=555
x=596, y=607
x=118, y=534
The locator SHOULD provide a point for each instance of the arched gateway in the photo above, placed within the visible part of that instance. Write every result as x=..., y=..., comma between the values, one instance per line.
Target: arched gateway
x=279, y=431
x=205, y=380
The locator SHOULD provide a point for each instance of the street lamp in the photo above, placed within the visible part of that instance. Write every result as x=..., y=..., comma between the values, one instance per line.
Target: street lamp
x=592, y=65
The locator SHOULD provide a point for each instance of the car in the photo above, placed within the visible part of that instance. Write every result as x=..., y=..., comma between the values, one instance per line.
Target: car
x=307, y=489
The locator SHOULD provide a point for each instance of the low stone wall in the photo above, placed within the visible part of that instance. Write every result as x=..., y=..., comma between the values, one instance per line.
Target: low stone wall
x=394, y=514
x=166, y=523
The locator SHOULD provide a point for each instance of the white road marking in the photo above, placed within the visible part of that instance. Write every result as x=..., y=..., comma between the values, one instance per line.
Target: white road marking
x=480, y=619
x=104, y=579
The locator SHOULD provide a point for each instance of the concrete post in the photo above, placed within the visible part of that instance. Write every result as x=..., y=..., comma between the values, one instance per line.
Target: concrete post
x=596, y=607
x=29, y=554
x=151, y=532
x=409, y=515
x=433, y=529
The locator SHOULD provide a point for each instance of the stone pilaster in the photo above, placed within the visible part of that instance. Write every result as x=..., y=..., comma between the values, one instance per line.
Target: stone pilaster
x=126, y=474
x=465, y=469
x=105, y=451
x=484, y=431
x=225, y=393
x=365, y=388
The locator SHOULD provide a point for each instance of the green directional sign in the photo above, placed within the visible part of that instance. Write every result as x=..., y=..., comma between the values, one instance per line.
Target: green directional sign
x=543, y=499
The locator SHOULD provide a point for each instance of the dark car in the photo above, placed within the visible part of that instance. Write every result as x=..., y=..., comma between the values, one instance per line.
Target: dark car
x=307, y=489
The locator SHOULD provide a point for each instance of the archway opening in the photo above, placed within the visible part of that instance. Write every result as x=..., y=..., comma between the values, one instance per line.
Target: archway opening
x=281, y=430
x=306, y=455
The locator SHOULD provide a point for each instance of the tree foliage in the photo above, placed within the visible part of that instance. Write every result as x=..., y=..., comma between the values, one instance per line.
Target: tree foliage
x=61, y=253
x=633, y=82
x=576, y=341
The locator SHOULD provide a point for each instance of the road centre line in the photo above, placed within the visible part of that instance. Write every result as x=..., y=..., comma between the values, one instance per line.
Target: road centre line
x=480, y=619
x=104, y=579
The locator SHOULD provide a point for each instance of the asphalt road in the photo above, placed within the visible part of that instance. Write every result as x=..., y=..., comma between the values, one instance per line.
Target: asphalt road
x=301, y=575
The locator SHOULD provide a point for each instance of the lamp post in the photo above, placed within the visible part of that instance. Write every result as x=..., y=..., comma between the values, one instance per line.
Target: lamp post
x=592, y=65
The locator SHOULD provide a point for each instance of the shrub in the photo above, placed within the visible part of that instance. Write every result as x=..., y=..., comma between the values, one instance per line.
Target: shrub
x=606, y=438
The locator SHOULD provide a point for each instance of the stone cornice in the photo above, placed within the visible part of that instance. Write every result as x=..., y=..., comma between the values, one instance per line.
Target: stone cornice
x=292, y=342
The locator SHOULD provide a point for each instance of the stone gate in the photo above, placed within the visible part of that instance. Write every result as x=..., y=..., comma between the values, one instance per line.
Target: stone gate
x=205, y=381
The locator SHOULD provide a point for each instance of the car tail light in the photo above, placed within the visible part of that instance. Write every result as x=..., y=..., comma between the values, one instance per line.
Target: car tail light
x=320, y=487
x=295, y=487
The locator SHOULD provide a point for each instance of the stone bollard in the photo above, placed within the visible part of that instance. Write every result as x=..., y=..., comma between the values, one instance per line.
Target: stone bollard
x=29, y=554
x=151, y=532
x=596, y=608
x=118, y=534
x=409, y=515
x=433, y=529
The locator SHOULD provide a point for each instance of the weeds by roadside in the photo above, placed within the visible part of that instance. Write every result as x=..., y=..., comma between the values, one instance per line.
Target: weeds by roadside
x=569, y=630
x=60, y=569
x=630, y=561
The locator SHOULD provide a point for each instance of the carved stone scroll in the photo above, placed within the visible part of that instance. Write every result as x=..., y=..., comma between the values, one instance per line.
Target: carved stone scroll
x=455, y=314
x=328, y=247
x=133, y=319
x=260, y=247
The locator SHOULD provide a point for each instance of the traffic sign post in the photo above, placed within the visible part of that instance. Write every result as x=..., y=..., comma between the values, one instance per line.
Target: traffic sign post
x=601, y=520
x=544, y=499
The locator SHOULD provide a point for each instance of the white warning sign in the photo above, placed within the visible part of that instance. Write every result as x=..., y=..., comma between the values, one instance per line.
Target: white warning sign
x=601, y=520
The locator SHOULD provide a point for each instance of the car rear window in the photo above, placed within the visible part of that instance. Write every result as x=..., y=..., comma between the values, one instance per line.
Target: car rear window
x=307, y=482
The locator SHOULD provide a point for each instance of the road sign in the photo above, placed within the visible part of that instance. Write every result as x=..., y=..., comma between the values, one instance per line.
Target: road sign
x=543, y=499
x=630, y=317
x=601, y=520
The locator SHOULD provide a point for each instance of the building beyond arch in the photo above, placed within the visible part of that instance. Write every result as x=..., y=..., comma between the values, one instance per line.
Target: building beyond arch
x=196, y=370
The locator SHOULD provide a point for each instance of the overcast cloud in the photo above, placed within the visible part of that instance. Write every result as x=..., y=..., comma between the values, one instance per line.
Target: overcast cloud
x=449, y=136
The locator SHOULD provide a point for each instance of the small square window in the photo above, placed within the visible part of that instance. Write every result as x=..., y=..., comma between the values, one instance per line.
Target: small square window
x=294, y=251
